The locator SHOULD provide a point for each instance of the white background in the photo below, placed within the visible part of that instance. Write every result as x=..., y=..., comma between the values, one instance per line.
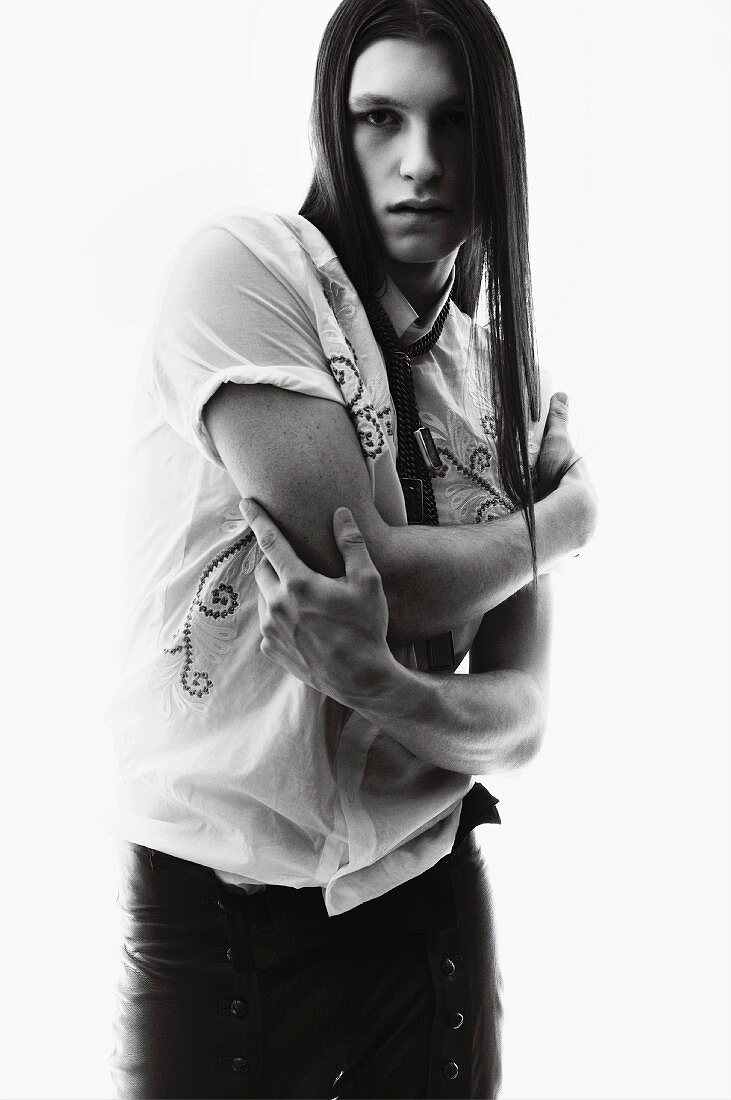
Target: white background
x=130, y=123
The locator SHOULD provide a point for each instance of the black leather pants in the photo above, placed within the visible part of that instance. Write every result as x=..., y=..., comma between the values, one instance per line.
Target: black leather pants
x=228, y=995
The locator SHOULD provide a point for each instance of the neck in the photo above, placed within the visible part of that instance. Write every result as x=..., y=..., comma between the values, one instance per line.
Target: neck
x=421, y=284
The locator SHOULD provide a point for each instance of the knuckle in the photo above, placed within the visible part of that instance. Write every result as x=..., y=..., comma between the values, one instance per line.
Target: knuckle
x=341, y=655
x=558, y=435
x=353, y=537
x=371, y=582
x=267, y=539
x=296, y=587
x=277, y=609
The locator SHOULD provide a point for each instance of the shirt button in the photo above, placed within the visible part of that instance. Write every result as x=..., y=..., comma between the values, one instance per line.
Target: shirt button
x=240, y=1065
x=447, y=966
x=451, y=1071
x=455, y=1021
x=239, y=1008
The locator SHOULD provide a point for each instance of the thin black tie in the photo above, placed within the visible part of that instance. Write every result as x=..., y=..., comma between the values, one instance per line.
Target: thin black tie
x=414, y=473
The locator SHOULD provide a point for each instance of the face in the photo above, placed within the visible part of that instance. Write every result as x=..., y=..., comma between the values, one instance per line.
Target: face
x=409, y=127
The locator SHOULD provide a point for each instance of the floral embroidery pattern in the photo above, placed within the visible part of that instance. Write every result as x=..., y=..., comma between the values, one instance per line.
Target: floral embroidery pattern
x=371, y=424
x=473, y=497
x=226, y=597
x=489, y=427
x=487, y=420
x=204, y=636
x=232, y=521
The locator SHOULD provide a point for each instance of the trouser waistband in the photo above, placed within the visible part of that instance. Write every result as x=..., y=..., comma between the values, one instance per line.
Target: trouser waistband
x=282, y=921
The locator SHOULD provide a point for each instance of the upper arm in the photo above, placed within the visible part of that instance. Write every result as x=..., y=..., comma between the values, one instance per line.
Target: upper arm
x=239, y=371
x=300, y=458
x=233, y=311
x=516, y=634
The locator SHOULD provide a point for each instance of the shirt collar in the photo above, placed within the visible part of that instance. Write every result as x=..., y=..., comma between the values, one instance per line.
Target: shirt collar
x=407, y=324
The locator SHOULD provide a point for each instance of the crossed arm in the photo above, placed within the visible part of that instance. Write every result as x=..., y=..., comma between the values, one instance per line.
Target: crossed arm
x=299, y=458
x=331, y=634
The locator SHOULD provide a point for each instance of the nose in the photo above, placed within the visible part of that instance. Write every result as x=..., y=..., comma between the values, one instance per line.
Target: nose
x=420, y=161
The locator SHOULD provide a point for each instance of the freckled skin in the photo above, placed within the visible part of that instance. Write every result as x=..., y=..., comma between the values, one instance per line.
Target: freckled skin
x=410, y=137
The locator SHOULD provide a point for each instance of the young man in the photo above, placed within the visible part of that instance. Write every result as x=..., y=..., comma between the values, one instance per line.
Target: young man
x=307, y=912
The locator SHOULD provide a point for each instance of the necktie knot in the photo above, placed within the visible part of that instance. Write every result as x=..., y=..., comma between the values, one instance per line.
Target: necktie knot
x=385, y=333
x=427, y=342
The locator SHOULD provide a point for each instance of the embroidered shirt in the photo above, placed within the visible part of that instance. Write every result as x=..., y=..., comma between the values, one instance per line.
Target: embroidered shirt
x=222, y=757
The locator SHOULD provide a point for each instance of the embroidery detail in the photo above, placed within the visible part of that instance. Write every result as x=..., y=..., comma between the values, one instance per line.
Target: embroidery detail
x=371, y=424
x=478, y=463
x=233, y=522
x=203, y=636
x=228, y=599
x=489, y=426
x=465, y=454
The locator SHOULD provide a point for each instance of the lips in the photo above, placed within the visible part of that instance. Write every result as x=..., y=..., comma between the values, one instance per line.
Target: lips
x=415, y=207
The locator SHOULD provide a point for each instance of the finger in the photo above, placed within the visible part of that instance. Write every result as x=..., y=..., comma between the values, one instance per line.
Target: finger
x=262, y=610
x=272, y=542
x=352, y=545
x=267, y=580
x=559, y=407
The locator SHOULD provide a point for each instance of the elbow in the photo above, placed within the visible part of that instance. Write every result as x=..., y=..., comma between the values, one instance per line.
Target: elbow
x=537, y=720
x=524, y=749
x=527, y=747
x=521, y=736
x=534, y=722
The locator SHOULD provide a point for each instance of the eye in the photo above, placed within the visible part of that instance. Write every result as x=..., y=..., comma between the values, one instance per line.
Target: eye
x=379, y=118
x=455, y=119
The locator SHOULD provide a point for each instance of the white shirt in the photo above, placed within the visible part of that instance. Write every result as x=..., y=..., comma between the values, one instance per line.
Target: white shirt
x=222, y=757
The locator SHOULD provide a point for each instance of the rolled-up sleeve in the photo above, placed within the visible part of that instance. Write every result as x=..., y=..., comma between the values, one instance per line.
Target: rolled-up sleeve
x=234, y=310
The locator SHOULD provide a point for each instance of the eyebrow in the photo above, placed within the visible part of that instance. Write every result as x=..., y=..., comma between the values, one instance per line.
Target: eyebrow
x=370, y=100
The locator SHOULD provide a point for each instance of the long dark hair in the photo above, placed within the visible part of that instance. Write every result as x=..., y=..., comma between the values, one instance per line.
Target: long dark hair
x=493, y=262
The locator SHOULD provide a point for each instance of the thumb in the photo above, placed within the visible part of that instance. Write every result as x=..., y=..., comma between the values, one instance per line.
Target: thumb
x=559, y=406
x=351, y=543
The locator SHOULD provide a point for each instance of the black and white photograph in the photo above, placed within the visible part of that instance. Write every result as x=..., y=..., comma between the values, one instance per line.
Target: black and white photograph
x=368, y=646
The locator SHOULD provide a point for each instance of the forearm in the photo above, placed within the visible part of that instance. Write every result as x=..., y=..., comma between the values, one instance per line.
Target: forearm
x=475, y=724
x=330, y=633
x=437, y=577
x=491, y=719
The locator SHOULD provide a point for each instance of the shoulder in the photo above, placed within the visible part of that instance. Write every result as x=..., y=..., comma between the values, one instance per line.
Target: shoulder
x=243, y=254
x=278, y=241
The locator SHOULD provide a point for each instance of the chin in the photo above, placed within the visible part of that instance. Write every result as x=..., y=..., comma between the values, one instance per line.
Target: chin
x=420, y=251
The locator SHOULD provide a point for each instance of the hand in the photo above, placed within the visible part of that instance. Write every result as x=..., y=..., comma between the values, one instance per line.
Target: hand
x=329, y=633
x=559, y=466
x=557, y=452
